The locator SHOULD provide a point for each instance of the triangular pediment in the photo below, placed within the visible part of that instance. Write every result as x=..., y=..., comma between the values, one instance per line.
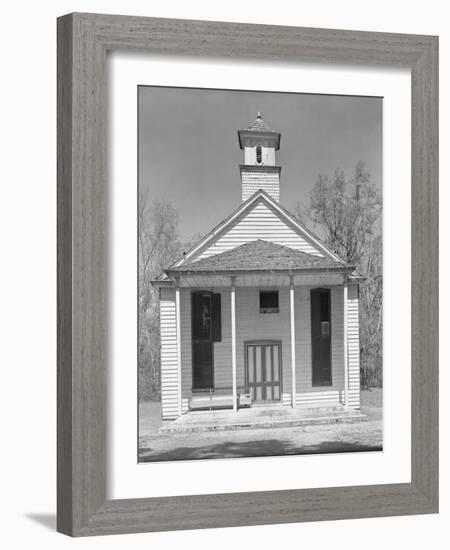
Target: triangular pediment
x=258, y=218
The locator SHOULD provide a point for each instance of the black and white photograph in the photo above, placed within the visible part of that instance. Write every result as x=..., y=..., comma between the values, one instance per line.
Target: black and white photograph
x=220, y=293
x=260, y=273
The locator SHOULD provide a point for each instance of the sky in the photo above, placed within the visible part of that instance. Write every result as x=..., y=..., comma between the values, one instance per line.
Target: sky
x=189, y=152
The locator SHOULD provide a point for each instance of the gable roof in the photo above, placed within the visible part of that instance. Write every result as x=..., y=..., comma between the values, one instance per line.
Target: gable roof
x=260, y=255
x=245, y=207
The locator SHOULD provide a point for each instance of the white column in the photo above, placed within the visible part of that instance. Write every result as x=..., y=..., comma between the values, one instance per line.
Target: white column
x=292, y=308
x=345, y=298
x=178, y=322
x=233, y=340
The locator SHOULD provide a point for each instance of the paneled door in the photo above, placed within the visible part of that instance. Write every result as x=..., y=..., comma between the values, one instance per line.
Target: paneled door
x=263, y=370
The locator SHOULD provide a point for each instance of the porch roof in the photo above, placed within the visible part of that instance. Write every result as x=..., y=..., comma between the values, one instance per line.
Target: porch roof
x=260, y=256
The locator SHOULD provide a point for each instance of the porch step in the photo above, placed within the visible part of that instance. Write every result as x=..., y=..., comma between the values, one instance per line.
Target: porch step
x=220, y=399
x=218, y=402
x=251, y=419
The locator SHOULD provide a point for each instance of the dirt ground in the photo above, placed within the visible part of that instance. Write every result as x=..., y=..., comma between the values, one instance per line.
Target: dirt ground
x=328, y=438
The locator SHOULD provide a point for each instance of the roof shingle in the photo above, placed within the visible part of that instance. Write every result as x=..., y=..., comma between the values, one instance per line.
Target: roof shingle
x=259, y=255
x=259, y=125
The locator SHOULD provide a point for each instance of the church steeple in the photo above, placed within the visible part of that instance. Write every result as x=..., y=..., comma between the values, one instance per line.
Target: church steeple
x=259, y=171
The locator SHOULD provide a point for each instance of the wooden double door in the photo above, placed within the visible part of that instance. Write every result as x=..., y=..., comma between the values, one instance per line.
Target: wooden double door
x=263, y=370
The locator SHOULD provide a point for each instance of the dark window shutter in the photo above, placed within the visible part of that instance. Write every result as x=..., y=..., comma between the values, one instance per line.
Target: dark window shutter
x=216, y=318
x=321, y=337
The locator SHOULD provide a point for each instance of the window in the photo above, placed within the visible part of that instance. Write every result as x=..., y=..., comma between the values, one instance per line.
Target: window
x=259, y=155
x=268, y=302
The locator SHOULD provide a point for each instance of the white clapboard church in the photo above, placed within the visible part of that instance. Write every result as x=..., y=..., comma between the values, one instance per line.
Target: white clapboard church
x=259, y=312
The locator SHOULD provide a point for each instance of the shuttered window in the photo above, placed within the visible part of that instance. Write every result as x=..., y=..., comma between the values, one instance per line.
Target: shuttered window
x=259, y=154
x=321, y=336
x=216, y=318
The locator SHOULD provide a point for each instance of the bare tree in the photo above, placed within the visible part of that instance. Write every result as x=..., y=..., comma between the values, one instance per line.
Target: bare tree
x=348, y=214
x=371, y=314
x=158, y=247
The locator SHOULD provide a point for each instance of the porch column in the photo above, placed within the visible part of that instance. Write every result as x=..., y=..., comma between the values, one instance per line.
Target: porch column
x=345, y=293
x=178, y=323
x=292, y=308
x=233, y=340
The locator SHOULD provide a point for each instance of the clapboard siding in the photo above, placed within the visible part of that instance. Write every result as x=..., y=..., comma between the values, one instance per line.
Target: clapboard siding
x=223, y=376
x=305, y=391
x=252, y=325
x=353, y=347
x=221, y=350
x=337, y=338
x=168, y=334
x=186, y=347
x=254, y=181
x=315, y=397
x=260, y=222
x=303, y=358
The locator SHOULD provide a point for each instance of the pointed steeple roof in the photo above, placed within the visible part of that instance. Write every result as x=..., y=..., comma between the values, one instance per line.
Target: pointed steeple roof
x=259, y=125
x=259, y=133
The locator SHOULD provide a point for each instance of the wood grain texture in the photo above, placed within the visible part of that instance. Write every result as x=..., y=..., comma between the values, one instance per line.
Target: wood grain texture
x=424, y=275
x=64, y=251
x=83, y=40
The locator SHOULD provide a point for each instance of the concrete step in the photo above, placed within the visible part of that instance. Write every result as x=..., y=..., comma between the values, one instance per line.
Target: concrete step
x=197, y=426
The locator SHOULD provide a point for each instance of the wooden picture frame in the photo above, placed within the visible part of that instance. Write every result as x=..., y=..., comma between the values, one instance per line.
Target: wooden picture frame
x=83, y=41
